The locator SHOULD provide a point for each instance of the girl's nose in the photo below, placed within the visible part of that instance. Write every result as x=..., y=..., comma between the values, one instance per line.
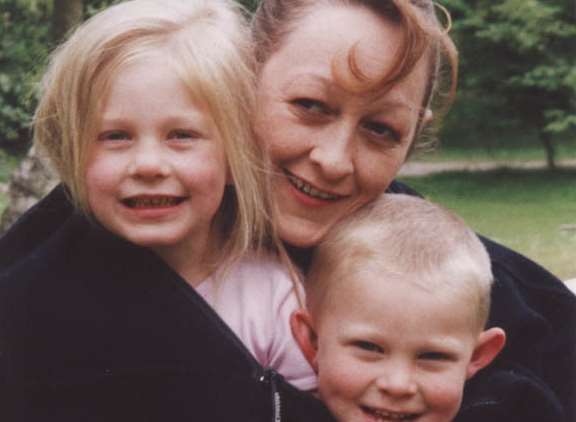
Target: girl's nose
x=148, y=161
x=397, y=380
x=333, y=153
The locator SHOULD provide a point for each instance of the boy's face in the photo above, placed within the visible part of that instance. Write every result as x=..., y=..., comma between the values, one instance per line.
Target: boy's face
x=387, y=350
x=157, y=170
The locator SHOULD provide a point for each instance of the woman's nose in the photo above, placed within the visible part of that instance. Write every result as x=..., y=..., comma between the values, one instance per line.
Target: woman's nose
x=397, y=380
x=148, y=161
x=333, y=152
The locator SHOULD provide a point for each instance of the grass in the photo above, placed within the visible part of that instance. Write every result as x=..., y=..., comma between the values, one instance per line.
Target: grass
x=508, y=149
x=528, y=211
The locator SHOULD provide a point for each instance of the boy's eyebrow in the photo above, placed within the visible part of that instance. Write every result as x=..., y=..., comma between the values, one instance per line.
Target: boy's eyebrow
x=444, y=342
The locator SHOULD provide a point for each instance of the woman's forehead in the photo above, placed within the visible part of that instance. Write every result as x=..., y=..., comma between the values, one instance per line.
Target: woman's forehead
x=317, y=54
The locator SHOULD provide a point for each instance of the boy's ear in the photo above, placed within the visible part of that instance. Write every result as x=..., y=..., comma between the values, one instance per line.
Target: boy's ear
x=490, y=343
x=305, y=335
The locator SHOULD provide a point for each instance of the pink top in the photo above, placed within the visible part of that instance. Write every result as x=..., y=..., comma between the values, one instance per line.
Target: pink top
x=255, y=299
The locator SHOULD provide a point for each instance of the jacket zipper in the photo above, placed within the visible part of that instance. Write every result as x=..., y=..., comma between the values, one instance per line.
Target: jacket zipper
x=270, y=378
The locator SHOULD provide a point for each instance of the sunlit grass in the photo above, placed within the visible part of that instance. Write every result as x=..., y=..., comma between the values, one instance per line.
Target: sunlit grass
x=513, y=152
x=532, y=212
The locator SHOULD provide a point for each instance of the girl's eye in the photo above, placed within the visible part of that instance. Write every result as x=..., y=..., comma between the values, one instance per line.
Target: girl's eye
x=435, y=356
x=114, y=135
x=182, y=134
x=380, y=130
x=311, y=106
x=368, y=346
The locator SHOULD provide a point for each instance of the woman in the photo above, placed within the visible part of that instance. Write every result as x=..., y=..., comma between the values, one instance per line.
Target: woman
x=341, y=107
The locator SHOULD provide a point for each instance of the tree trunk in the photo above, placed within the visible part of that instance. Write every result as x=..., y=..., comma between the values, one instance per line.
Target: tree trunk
x=546, y=140
x=33, y=178
x=29, y=182
x=66, y=14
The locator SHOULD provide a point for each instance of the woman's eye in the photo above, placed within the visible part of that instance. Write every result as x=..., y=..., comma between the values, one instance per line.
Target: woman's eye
x=381, y=131
x=368, y=346
x=114, y=135
x=311, y=106
x=182, y=134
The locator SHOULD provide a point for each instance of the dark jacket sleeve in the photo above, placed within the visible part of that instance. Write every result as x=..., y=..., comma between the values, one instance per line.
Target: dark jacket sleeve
x=534, y=378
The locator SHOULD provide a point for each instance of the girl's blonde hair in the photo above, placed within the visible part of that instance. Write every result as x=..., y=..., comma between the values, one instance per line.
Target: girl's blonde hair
x=208, y=46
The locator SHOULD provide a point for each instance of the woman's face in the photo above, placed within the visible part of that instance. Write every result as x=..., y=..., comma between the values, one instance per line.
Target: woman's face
x=333, y=149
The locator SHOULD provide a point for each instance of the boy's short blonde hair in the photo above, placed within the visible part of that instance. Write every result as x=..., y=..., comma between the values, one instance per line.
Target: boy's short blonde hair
x=207, y=44
x=407, y=236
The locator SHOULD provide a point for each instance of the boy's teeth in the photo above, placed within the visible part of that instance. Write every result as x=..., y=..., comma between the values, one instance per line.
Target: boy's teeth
x=390, y=416
x=309, y=190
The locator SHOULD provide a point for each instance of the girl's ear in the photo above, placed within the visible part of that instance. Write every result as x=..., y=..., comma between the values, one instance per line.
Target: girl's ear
x=490, y=343
x=305, y=335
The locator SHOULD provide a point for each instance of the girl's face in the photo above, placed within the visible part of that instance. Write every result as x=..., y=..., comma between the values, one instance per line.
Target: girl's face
x=157, y=170
x=333, y=150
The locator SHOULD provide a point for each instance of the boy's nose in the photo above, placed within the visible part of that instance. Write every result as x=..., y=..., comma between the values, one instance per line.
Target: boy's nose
x=397, y=380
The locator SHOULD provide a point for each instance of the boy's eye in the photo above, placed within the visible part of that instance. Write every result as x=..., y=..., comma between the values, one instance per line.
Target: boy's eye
x=114, y=135
x=381, y=131
x=311, y=106
x=435, y=356
x=182, y=134
x=368, y=346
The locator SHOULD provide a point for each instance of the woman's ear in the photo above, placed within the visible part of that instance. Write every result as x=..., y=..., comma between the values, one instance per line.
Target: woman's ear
x=428, y=116
x=490, y=343
x=305, y=335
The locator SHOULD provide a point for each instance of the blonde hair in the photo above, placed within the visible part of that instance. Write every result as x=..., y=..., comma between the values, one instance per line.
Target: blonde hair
x=423, y=34
x=209, y=47
x=408, y=236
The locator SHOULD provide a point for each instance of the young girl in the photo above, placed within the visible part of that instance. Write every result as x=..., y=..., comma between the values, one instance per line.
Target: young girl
x=145, y=116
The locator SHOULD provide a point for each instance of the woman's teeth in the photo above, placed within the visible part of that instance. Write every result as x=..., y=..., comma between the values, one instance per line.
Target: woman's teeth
x=153, y=202
x=309, y=190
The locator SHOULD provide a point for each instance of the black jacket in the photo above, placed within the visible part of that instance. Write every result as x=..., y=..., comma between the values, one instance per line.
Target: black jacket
x=93, y=328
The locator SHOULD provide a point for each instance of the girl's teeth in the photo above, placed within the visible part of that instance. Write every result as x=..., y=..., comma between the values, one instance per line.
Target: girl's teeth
x=309, y=190
x=151, y=202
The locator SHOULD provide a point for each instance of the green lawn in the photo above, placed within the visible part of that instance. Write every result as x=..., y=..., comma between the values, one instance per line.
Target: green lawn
x=564, y=151
x=528, y=211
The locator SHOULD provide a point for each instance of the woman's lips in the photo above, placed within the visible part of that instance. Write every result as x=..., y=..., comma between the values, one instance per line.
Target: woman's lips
x=307, y=189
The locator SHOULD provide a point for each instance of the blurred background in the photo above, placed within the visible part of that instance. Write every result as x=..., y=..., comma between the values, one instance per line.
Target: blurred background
x=507, y=155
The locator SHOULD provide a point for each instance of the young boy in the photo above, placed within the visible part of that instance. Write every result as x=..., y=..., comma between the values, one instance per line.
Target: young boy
x=397, y=300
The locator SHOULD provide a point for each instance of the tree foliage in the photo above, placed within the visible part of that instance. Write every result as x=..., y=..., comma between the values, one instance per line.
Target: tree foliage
x=522, y=53
x=24, y=43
